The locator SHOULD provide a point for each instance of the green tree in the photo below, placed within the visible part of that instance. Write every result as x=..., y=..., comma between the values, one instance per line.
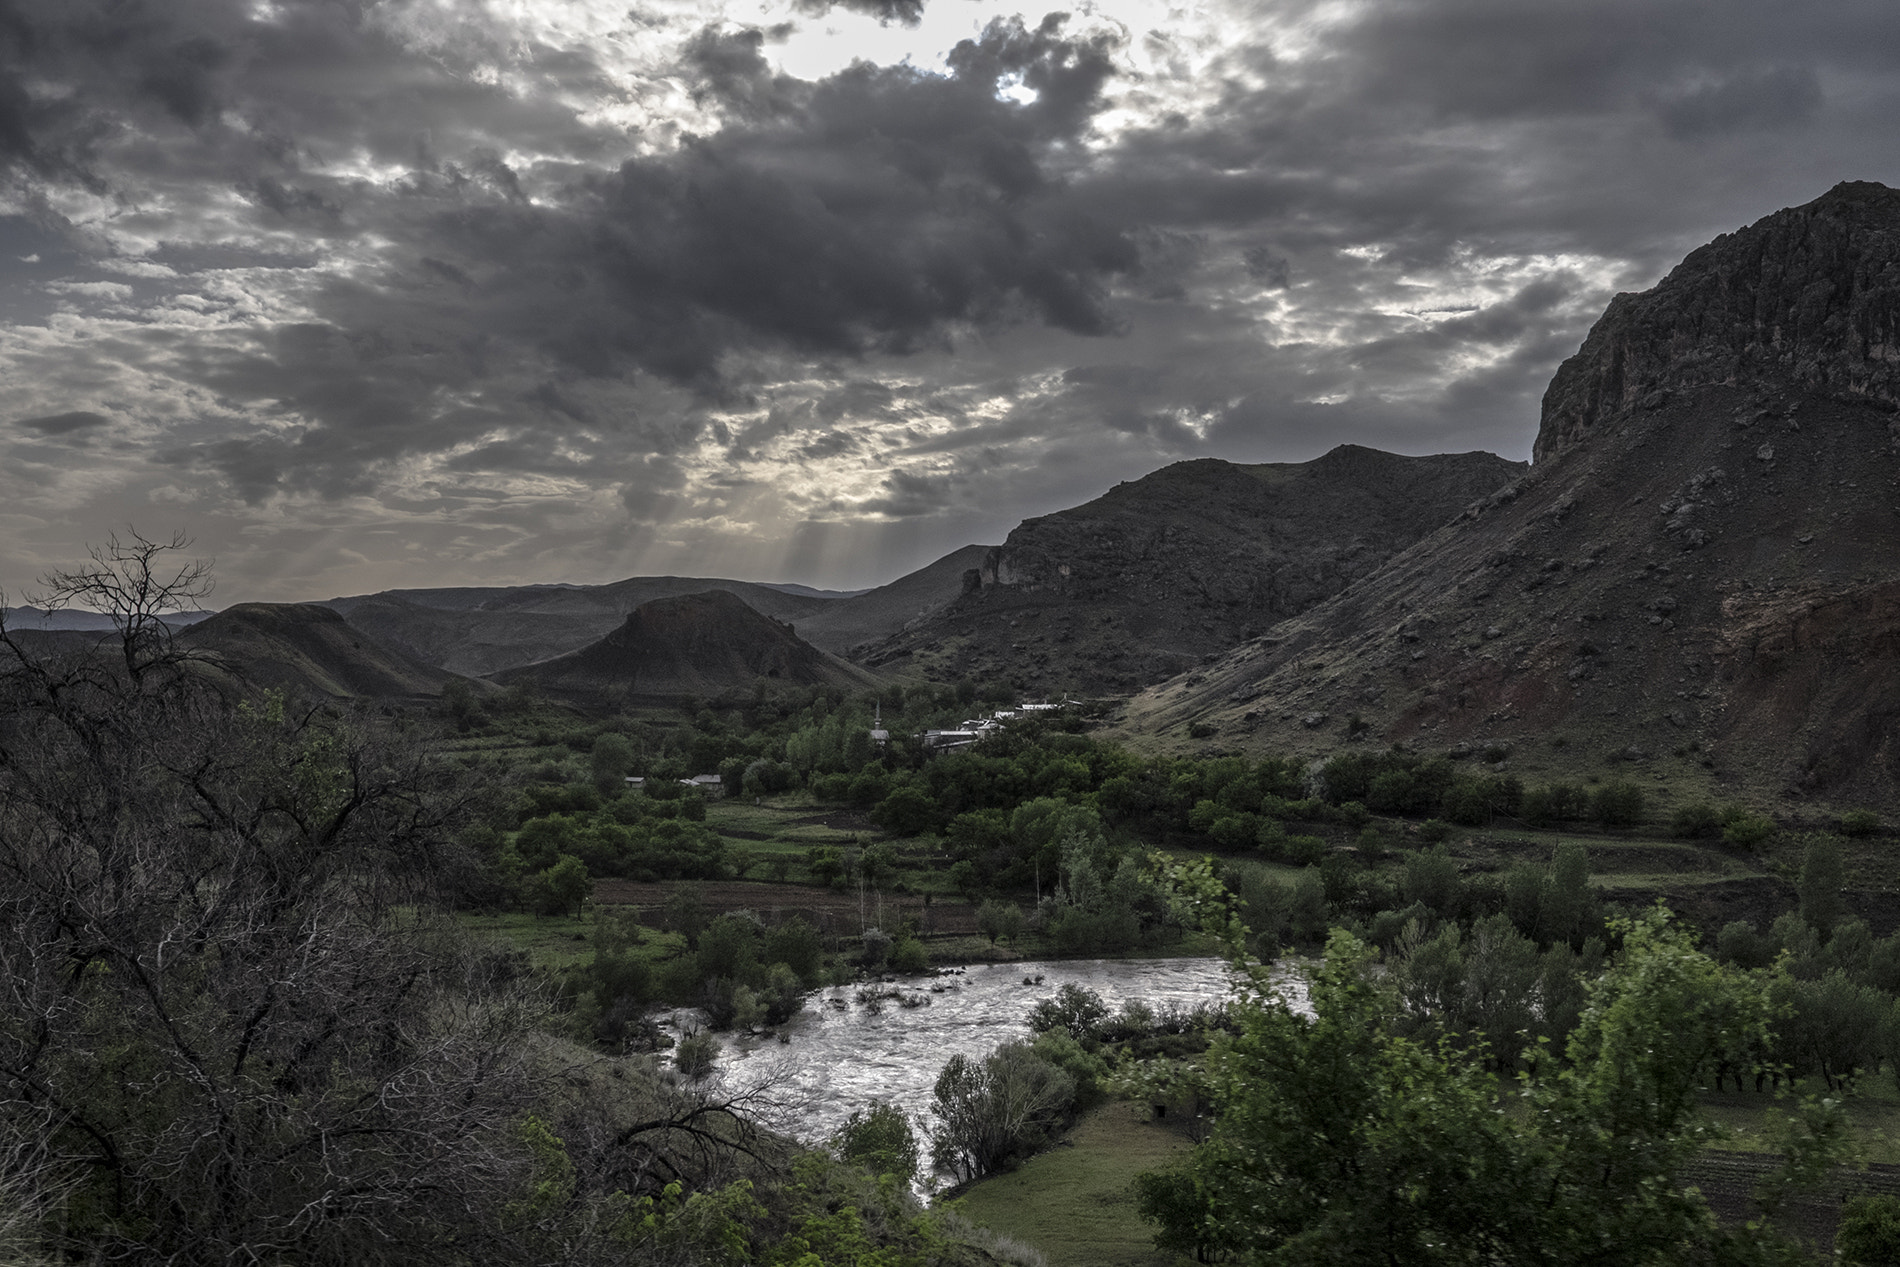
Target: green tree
x=685, y=911
x=1076, y=1010
x=909, y=957
x=1568, y=910
x=1339, y=1140
x=797, y=945
x=1745, y=830
x=881, y=1140
x=1820, y=886
x=878, y=864
x=996, y=1109
x=563, y=888
x=1431, y=878
x=458, y=701
x=1869, y=1234
x=696, y=1054
x=612, y=762
x=826, y=863
x=908, y=811
x=999, y=920
x=729, y=947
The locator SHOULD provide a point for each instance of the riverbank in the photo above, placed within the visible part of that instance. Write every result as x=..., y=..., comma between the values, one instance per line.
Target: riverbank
x=1075, y=1202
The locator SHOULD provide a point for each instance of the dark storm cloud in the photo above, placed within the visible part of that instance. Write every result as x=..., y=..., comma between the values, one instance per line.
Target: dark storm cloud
x=902, y=12
x=908, y=494
x=732, y=69
x=1774, y=97
x=223, y=91
x=873, y=213
x=63, y=424
x=1526, y=124
x=867, y=214
x=681, y=274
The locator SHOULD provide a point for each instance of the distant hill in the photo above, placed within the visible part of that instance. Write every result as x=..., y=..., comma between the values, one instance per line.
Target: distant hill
x=80, y=620
x=1180, y=565
x=1698, y=585
x=690, y=644
x=309, y=648
x=478, y=631
x=846, y=624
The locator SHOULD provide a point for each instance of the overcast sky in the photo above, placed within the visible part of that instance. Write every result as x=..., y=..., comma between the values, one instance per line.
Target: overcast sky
x=368, y=294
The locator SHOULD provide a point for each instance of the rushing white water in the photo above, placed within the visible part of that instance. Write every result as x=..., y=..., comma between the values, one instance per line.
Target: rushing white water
x=841, y=1054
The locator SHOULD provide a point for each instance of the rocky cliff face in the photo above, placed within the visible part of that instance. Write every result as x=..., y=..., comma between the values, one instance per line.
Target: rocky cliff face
x=1809, y=297
x=1696, y=583
x=1184, y=563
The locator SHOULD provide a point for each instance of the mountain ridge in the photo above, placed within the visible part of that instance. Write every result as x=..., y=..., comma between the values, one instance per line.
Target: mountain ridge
x=1183, y=563
x=1698, y=582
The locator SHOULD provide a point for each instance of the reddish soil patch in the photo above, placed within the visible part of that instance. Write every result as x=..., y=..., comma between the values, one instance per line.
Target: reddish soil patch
x=833, y=913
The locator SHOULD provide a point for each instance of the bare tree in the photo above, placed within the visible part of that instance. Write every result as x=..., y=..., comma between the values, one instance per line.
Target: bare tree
x=225, y=1009
x=135, y=582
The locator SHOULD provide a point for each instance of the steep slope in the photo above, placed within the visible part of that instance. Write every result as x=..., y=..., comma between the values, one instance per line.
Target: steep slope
x=693, y=644
x=1184, y=563
x=481, y=630
x=309, y=648
x=846, y=623
x=1698, y=584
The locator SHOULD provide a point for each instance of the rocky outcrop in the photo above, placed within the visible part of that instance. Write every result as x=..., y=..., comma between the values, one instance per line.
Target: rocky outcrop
x=1697, y=584
x=1184, y=563
x=1809, y=297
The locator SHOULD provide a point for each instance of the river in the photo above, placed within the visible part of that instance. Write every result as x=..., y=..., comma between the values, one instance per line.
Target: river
x=842, y=1054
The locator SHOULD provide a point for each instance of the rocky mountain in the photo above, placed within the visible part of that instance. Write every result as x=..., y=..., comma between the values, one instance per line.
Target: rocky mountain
x=309, y=649
x=1182, y=564
x=1697, y=584
x=691, y=644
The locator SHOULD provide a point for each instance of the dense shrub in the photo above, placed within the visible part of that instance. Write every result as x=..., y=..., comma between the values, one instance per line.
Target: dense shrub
x=1746, y=830
x=1859, y=822
x=1075, y=1009
x=909, y=957
x=696, y=1054
x=1696, y=820
x=1617, y=804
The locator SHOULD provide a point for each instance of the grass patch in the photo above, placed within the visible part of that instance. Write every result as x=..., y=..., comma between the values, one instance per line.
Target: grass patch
x=554, y=942
x=1873, y=1113
x=1074, y=1202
